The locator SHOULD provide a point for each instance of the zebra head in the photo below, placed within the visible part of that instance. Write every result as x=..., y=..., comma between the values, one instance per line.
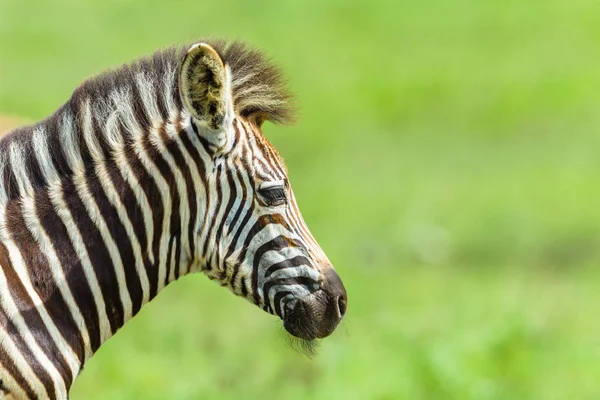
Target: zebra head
x=254, y=240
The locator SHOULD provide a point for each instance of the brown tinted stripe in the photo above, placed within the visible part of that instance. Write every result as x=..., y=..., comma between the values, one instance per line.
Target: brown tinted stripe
x=39, y=273
x=31, y=317
x=7, y=364
x=6, y=361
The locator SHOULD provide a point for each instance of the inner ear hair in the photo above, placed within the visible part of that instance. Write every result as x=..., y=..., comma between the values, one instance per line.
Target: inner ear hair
x=202, y=84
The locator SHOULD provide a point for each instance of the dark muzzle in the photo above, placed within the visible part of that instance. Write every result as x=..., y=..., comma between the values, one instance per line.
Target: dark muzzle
x=317, y=315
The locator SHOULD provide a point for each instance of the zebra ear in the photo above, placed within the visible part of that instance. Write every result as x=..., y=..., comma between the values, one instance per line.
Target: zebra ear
x=204, y=86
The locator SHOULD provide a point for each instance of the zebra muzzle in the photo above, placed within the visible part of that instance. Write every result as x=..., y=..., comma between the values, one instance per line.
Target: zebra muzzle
x=317, y=315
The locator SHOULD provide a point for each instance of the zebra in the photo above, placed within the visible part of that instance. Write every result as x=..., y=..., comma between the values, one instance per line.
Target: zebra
x=147, y=173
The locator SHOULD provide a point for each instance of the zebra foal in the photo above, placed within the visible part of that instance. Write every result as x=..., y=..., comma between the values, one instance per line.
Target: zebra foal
x=148, y=173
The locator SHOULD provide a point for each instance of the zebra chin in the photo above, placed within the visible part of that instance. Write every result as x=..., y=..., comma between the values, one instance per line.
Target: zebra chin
x=315, y=316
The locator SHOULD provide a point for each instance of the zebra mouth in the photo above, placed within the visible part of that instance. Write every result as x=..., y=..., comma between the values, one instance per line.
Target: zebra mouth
x=316, y=316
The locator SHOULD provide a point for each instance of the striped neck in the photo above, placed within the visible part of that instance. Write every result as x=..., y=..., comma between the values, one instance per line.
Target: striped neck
x=94, y=223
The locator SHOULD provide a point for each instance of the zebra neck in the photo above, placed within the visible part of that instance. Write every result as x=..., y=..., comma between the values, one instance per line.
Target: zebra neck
x=90, y=233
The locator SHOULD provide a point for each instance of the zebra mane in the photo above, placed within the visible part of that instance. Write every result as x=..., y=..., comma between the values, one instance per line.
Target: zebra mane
x=258, y=86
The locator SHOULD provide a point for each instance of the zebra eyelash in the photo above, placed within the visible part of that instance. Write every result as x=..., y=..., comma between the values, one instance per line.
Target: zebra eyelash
x=273, y=194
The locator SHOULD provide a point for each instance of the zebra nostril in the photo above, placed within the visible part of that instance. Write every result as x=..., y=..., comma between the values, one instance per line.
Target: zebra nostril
x=342, y=305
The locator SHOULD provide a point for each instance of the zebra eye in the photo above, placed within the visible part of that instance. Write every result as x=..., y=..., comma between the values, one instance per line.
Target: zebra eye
x=273, y=196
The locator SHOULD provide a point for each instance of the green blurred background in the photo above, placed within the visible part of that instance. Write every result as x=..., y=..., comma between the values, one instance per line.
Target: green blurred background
x=446, y=159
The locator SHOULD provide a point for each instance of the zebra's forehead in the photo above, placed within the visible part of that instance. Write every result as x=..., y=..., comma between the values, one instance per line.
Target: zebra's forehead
x=267, y=162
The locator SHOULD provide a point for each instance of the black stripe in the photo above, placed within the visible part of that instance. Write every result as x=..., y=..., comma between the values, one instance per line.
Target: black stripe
x=213, y=219
x=276, y=244
x=205, y=144
x=137, y=106
x=277, y=300
x=243, y=285
x=98, y=255
x=298, y=281
x=168, y=265
x=177, y=256
x=289, y=263
x=53, y=144
x=158, y=94
x=148, y=184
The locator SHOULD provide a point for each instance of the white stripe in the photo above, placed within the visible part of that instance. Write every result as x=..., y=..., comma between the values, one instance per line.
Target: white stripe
x=148, y=95
x=274, y=257
x=168, y=87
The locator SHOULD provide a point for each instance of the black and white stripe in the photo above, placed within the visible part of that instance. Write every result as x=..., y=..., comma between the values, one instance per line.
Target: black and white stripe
x=124, y=190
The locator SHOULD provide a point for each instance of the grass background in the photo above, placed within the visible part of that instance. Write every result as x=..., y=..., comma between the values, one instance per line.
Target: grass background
x=446, y=159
